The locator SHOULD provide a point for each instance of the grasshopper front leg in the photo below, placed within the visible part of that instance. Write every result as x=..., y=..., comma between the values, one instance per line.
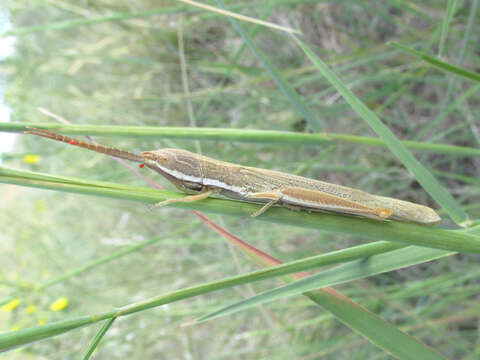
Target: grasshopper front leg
x=317, y=200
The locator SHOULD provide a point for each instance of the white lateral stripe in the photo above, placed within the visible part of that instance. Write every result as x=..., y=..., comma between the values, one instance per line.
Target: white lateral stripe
x=220, y=184
x=179, y=175
x=198, y=180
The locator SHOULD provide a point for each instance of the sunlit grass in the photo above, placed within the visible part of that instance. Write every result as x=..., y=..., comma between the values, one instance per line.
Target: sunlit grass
x=118, y=64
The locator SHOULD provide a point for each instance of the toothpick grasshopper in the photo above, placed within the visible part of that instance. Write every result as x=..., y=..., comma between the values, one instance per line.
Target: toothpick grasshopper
x=201, y=177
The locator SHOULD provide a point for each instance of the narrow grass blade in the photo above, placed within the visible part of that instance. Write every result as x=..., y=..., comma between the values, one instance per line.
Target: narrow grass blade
x=240, y=135
x=283, y=85
x=452, y=107
x=423, y=176
x=405, y=233
x=445, y=25
x=239, y=16
x=62, y=25
x=442, y=65
x=25, y=336
x=13, y=339
x=375, y=329
x=381, y=333
x=355, y=270
x=96, y=340
x=91, y=265
x=469, y=28
x=103, y=260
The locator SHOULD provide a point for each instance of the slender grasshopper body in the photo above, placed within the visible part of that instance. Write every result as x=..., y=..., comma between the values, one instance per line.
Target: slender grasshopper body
x=201, y=177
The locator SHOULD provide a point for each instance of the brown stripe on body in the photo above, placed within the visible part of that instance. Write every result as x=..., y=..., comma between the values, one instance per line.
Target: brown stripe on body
x=269, y=180
x=187, y=163
x=320, y=200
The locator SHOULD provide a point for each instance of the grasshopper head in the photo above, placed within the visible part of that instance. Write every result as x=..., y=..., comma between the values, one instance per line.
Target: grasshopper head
x=180, y=166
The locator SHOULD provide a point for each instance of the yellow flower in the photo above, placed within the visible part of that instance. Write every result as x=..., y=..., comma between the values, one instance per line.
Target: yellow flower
x=11, y=305
x=15, y=328
x=30, y=309
x=41, y=321
x=31, y=158
x=59, y=304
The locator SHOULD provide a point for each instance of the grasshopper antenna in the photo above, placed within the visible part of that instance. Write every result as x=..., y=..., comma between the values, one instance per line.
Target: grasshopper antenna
x=86, y=145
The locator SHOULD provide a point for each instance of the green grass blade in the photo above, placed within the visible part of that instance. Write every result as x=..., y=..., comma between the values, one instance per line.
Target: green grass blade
x=103, y=260
x=452, y=107
x=174, y=132
x=469, y=27
x=381, y=333
x=405, y=233
x=452, y=4
x=13, y=339
x=92, y=264
x=240, y=135
x=96, y=340
x=439, y=64
x=423, y=176
x=361, y=320
x=355, y=270
x=25, y=336
x=120, y=16
x=223, y=12
x=292, y=96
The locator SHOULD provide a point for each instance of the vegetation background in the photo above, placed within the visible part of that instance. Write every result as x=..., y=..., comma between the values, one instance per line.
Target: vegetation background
x=165, y=63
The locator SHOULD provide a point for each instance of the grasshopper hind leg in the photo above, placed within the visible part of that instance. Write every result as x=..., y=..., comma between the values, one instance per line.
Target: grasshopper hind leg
x=315, y=200
x=273, y=198
x=264, y=208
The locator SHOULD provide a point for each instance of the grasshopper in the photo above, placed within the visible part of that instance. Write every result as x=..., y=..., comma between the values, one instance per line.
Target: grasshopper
x=201, y=177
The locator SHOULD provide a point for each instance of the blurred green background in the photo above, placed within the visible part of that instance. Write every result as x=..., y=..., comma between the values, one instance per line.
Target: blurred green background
x=164, y=63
